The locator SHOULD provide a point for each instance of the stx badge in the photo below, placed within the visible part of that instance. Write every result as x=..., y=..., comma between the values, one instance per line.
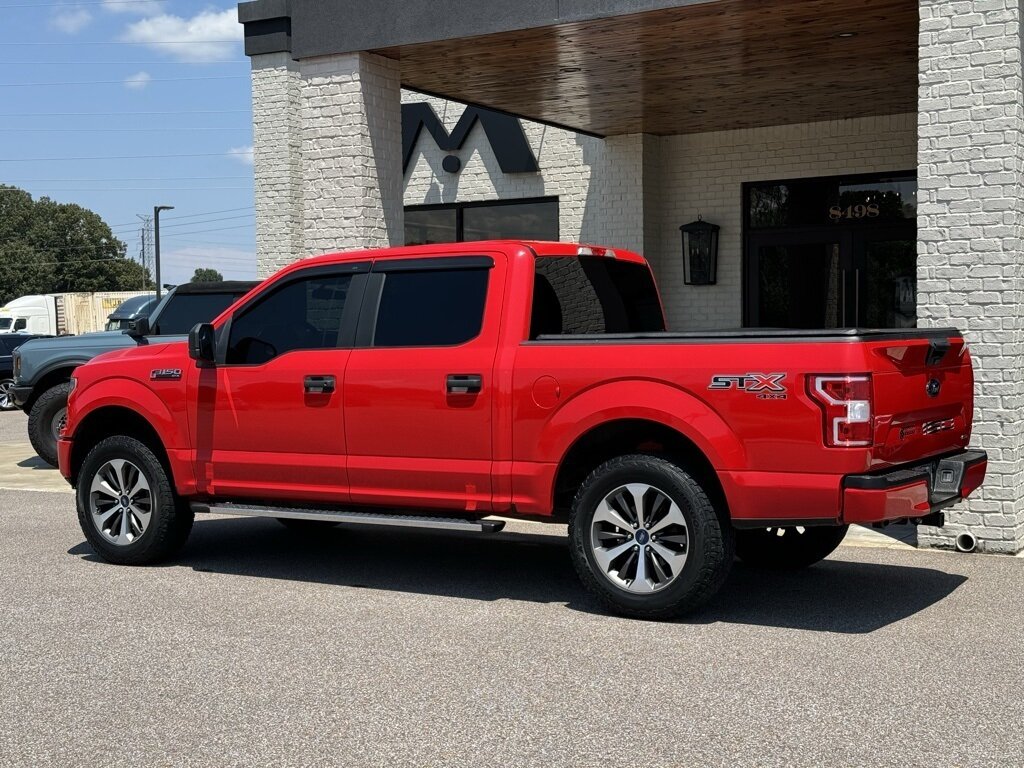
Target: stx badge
x=766, y=386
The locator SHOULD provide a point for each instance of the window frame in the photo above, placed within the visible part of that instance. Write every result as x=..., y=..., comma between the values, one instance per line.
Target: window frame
x=349, y=316
x=374, y=292
x=460, y=209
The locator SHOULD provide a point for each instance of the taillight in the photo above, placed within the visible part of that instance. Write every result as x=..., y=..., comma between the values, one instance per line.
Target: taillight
x=846, y=406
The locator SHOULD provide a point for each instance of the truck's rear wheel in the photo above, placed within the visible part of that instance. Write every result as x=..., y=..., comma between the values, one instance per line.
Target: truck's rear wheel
x=46, y=420
x=6, y=398
x=646, y=539
x=789, y=548
x=126, y=505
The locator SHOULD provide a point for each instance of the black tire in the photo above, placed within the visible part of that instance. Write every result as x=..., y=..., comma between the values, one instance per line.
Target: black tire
x=170, y=519
x=796, y=548
x=709, y=548
x=6, y=400
x=45, y=417
x=306, y=526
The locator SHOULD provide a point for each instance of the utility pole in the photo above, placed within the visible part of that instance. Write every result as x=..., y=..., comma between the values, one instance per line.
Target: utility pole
x=146, y=244
x=156, y=241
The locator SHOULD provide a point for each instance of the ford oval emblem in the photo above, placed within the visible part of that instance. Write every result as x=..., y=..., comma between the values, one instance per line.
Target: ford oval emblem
x=933, y=387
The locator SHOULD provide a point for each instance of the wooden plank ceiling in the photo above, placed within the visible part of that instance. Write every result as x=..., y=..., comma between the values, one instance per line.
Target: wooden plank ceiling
x=715, y=66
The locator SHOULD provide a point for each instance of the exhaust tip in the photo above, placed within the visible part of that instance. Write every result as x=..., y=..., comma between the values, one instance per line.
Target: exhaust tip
x=966, y=542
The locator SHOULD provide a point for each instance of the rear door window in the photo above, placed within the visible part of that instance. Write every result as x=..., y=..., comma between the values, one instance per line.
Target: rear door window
x=431, y=308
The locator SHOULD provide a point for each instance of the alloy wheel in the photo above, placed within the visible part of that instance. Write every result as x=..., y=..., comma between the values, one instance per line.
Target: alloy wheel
x=639, y=538
x=120, y=502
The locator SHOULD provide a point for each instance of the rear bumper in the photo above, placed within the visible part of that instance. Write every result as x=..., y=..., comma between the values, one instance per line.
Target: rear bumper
x=916, y=494
x=21, y=395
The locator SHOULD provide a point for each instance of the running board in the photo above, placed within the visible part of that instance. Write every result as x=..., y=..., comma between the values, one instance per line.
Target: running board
x=362, y=518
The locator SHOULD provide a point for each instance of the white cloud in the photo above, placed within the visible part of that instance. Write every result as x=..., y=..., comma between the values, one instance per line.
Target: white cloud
x=202, y=34
x=138, y=81
x=70, y=20
x=241, y=154
x=137, y=7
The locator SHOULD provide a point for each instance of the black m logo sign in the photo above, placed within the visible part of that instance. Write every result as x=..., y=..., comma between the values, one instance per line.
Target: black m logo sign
x=504, y=133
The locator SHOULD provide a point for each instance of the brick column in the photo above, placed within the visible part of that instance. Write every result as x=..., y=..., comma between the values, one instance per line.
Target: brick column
x=614, y=213
x=970, y=260
x=277, y=159
x=351, y=153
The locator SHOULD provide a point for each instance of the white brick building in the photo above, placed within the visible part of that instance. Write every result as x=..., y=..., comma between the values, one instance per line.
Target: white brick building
x=865, y=168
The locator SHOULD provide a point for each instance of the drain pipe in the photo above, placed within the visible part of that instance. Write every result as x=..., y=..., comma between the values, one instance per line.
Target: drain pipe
x=966, y=542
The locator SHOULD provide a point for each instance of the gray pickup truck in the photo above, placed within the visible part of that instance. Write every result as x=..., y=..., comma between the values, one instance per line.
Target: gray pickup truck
x=43, y=367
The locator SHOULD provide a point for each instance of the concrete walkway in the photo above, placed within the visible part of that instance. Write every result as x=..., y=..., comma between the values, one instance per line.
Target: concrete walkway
x=22, y=470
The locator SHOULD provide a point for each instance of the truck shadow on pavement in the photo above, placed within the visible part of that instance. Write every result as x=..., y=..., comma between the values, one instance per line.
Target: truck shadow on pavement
x=834, y=596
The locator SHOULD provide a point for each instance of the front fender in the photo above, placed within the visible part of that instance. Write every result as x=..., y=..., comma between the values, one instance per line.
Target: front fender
x=129, y=394
x=642, y=399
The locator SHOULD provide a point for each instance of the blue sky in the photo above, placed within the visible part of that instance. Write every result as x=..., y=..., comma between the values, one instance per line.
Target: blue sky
x=134, y=78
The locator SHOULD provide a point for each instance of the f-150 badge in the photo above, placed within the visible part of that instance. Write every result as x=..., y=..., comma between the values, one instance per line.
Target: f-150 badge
x=766, y=386
x=166, y=374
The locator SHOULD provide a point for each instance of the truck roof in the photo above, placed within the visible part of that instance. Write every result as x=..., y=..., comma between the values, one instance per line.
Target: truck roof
x=219, y=286
x=540, y=247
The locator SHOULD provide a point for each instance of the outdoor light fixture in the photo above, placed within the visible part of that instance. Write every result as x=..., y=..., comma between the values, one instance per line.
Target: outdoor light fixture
x=700, y=252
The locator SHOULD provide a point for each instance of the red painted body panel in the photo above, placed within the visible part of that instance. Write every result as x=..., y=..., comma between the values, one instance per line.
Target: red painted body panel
x=390, y=435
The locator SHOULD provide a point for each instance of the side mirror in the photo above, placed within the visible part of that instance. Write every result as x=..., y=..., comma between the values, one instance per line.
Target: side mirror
x=138, y=328
x=202, y=344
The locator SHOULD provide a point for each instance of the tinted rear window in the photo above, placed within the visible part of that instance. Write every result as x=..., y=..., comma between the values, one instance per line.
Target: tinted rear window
x=593, y=294
x=183, y=311
x=434, y=308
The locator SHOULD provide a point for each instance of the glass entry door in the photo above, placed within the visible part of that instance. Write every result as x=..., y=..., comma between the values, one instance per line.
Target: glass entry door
x=796, y=282
x=833, y=252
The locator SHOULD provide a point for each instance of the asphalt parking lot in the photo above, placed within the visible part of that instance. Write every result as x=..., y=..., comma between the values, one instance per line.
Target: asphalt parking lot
x=362, y=647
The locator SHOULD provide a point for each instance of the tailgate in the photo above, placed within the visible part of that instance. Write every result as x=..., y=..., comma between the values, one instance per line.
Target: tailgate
x=923, y=397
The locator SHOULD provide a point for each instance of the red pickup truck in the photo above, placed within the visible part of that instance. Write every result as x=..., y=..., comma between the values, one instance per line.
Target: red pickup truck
x=441, y=386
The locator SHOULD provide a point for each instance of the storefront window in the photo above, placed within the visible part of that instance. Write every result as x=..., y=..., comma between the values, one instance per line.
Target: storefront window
x=498, y=220
x=837, y=200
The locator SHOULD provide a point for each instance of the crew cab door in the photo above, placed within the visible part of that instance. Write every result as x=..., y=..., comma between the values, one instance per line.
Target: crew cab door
x=420, y=388
x=269, y=415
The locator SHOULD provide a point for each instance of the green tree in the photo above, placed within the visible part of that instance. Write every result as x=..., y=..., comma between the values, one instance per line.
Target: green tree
x=50, y=247
x=203, y=275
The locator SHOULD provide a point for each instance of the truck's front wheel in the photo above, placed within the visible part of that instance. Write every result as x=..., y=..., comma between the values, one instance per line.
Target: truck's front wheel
x=646, y=539
x=46, y=420
x=789, y=548
x=126, y=505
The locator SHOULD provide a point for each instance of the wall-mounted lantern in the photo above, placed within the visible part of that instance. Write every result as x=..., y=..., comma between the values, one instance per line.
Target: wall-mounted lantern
x=700, y=252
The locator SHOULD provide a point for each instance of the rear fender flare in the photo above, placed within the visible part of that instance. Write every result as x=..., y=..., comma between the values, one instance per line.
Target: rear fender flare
x=644, y=399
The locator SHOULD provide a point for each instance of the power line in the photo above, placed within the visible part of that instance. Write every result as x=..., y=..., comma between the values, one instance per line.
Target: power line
x=215, y=229
x=187, y=216
x=128, y=114
x=134, y=178
x=161, y=129
x=54, y=191
x=208, y=221
x=114, y=157
x=77, y=2
x=132, y=42
x=122, y=81
x=118, y=63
